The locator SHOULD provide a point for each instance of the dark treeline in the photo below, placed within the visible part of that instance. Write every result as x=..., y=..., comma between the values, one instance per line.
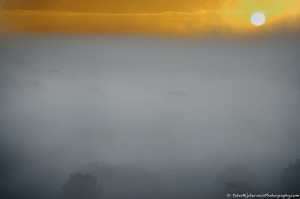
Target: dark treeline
x=235, y=180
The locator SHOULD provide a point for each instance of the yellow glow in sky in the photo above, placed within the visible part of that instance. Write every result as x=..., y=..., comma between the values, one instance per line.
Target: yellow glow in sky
x=148, y=16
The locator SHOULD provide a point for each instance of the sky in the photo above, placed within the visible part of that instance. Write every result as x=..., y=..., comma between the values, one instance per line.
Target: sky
x=147, y=16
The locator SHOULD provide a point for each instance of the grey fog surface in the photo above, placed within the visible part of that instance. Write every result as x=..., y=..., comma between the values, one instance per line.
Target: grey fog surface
x=150, y=117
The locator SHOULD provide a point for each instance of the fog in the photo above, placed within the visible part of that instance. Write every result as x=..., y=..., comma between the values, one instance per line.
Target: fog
x=149, y=117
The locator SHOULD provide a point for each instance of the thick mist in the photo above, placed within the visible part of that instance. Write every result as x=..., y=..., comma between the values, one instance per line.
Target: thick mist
x=149, y=117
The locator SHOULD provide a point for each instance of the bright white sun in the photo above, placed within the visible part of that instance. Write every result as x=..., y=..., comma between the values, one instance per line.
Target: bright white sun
x=258, y=19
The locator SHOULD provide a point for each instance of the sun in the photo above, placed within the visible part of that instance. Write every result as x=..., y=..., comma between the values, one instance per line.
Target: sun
x=258, y=19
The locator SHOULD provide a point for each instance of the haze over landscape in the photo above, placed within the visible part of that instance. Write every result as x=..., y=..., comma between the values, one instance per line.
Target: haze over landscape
x=149, y=117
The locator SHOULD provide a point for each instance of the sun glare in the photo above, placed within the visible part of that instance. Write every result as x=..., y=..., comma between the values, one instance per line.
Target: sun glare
x=258, y=19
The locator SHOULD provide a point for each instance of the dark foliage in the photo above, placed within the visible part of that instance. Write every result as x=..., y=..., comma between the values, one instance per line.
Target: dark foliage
x=81, y=186
x=239, y=187
x=236, y=180
x=290, y=178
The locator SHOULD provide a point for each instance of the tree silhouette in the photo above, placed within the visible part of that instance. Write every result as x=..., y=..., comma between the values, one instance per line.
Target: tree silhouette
x=239, y=187
x=290, y=178
x=81, y=186
x=234, y=180
x=101, y=171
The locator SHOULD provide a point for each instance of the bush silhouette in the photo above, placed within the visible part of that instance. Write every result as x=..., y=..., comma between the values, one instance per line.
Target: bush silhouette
x=290, y=178
x=235, y=180
x=239, y=187
x=81, y=186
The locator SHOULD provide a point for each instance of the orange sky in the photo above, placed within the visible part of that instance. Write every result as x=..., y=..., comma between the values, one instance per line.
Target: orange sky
x=147, y=16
